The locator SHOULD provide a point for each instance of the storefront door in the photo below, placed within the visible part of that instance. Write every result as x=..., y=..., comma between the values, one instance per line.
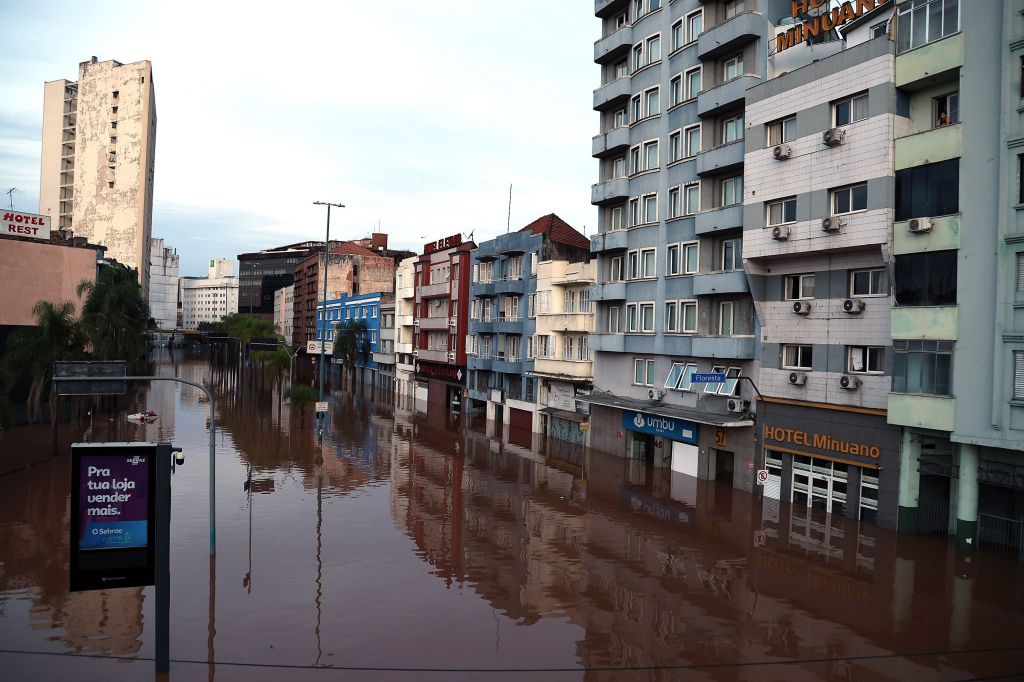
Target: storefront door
x=820, y=483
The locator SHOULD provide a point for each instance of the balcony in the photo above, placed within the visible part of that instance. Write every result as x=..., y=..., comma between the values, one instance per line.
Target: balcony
x=564, y=368
x=482, y=288
x=609, y=241
x=718, y=219
x=733, y=282
x=481, y=362
x=922, y=66
x=403, y=320
x=432, y=355
x=611, y=143
x=944, y=236
x=384, y=358
x=434, y=290
x=605, y=7
x=387, y=333
x=510, y=286
x=434, y=323
x=614, y=45
x=711, y=102
x=922, y=411
x=608, y=343
x=482, y=326
x=403, y=348
x=725, y=347
x=507, y=365
x=609, y=191
x=930, y=146
x=581, y=275
x=937, y=323
x=508, y=325
x=611, y=94
x=609, y=291
x=721, y=158
x=678, y=345
x=574, y=322
x=406, y=292
x=731, y=35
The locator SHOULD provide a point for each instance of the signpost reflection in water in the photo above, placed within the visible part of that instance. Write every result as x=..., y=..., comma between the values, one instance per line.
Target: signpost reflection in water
x=408, y=546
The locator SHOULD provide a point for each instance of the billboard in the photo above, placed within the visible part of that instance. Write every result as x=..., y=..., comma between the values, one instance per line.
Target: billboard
x=113, y=500
x=17, y=224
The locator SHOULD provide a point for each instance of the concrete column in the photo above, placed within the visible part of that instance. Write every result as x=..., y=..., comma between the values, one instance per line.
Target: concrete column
x=910, y=483
x=967, y=498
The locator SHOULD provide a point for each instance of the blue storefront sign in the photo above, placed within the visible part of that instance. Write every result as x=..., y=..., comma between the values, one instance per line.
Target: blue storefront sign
x=668, y=427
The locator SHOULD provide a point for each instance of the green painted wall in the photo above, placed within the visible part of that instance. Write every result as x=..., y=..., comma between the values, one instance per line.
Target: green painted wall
x=926, y=322
x=922, y=411
x=931, y=146
x=945, y=235
x=928, y=61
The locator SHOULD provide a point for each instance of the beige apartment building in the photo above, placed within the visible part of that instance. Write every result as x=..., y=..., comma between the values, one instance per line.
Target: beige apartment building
x=405, y=302
x=98, y=150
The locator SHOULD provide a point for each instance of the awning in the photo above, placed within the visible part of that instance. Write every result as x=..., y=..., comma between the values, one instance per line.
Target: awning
x=564, y=414
x=727, y=420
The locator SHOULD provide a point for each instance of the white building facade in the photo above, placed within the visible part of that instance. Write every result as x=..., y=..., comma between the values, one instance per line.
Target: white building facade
x=210, y=298
x=163, y=284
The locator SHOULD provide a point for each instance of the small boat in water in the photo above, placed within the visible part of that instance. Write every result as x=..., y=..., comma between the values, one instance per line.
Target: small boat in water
x=143, y=417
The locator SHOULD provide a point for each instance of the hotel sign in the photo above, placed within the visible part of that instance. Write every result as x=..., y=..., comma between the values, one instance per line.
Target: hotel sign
x=855, y=437
x=442, y=244
x=30, y=225
x=813, y=18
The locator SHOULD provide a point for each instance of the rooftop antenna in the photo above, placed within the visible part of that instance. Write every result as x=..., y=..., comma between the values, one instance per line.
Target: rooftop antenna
x=10, y=196
x=508, y=220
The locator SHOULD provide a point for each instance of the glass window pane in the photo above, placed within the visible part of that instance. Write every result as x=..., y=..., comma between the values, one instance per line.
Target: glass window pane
x=859, y=201
x=674, y=375
x=690, y=317
x=842, y=113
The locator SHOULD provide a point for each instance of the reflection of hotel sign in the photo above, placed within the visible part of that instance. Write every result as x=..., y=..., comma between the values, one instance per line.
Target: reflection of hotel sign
x=442, y=244
x=814, y=21
x=668, y=427
x=820, y=441
x=446, y=372
x=815, y=579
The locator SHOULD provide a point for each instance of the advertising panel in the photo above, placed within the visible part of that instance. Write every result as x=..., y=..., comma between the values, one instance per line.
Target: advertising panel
x=656, y=425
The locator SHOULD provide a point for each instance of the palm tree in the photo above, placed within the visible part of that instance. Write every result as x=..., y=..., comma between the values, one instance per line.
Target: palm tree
x=115, y=317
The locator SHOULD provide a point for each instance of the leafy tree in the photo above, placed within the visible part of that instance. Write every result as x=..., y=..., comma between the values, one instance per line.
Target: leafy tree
x=300, y=396
x=350, y=343
x=115, y=316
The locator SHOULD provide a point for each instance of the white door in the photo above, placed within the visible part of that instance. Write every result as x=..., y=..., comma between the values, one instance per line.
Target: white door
x=684, y=458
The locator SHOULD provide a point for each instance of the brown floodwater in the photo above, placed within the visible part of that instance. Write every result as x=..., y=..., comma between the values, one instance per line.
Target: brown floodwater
x=404, y=549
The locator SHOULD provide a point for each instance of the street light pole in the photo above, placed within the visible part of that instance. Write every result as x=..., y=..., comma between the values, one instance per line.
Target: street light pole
x=323, y=336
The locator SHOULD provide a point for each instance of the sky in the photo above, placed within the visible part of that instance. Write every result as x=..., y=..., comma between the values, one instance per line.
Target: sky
x=415, y=115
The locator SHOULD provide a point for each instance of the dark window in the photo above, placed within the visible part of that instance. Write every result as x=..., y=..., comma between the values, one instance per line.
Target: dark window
x=1020, y=178
x=927, y=278
x=922, y=367
x=929, y=190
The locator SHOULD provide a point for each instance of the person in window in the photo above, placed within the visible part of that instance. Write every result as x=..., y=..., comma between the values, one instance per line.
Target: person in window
x=943, y=120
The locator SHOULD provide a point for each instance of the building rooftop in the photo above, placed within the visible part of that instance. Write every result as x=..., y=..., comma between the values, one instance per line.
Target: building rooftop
x=558, y=231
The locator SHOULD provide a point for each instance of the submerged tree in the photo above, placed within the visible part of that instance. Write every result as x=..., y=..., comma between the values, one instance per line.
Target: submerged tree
x=115, y=316
x=350, y=344
x=300, y=396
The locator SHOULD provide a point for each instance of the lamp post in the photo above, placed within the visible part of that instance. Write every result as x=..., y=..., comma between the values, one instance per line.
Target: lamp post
x=323, y=336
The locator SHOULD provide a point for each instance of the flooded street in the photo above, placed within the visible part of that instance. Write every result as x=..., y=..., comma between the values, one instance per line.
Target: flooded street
x=416, y=552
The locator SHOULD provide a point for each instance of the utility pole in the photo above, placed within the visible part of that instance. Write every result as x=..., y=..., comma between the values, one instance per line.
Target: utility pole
x=323, y=336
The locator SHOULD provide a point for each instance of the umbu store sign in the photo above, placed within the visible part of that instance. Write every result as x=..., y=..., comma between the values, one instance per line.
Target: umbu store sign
x=815, y=17
x=657, y=425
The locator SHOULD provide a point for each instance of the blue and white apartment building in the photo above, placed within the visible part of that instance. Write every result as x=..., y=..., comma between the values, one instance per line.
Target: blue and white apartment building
x=365, y=307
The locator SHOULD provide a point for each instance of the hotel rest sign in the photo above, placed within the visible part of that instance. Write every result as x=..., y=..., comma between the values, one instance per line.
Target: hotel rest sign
x=813, y=18
x=17, y=224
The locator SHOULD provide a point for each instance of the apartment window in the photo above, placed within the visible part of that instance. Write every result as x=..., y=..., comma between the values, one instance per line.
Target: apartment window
x=797, y=357
x=692, y=141
x=732, y=67
x=729, y=386
x=783, y=130
x=676, y=93
x=929, y=190
x=652, y=101
x=865, y=359
x=531, y=305
x=694, y=24
x=638, y=56
x=678, y=35
x=620, y=119
x=651, y=155
x=1020, y=171
x=672, y=263
x=647, y=52
x=634, y=212
x=850, y=109
x=650, y=205
x=732, y=129
x=782, y=211
x=635, y=159
x=637, y=110
x=613, y=320
x=648, y=263
x=691, y=257
x=1018, y=375
x=584, y=300
x=731, y=255
x=726, y=318
x=693, y=82
x=643, y=372
x=850, y=199
x=621, y=20
x=682, y=258
x=671, y=316
x=616, y=218
x=925, y=279
x=946, y=109
x=868, y=283
x=798, y=287
x=615, y=269
x=646, y=318
x=633, y=265
x=674, y=203
x=681, y=316
x=675, y=146
x=731, y=8
x=732, y=191
x=922, y=367
x=632, y=319
x=1020, y=271
x=569, y=302
x=680, y=377
x=619, y=169
x=691, y=199
x=920, y=22
x=879, y=30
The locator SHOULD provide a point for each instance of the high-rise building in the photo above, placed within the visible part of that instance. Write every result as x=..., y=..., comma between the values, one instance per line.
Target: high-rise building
x=163, y=284
x=97, y=161
x=211, y=298
x=261, y=273
x=284, y=308
x=405, y=302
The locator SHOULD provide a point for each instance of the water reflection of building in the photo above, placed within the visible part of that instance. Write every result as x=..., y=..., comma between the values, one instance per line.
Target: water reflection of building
x=657, y=567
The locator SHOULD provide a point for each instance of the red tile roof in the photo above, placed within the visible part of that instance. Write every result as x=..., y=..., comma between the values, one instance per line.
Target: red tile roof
x=558, y=231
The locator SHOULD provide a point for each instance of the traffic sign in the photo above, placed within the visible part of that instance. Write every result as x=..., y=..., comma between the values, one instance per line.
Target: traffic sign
x=321, y=406
x=708, y=379
x=759, y=538
x=762, y=476
x=115, y=368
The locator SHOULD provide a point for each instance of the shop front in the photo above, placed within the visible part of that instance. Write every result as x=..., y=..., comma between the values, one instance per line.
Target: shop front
x=665, y=442
x=833, y=461
x=445, y=389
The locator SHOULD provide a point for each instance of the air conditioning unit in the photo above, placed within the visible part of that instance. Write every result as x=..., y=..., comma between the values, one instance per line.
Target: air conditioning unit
x=797, y=378
x=833, y=137
x=415, y=323
x=849, y=383
x=655, y=394
x=452, y=322
x=782, y=151
x=918, y=225
x=801, y=307
x=780, y=233
x=451, y=357
x=854, y=306
x=831, y=224
x=737, y=405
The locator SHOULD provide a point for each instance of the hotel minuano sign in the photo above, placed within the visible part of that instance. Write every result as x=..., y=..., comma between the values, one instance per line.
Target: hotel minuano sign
x=26, y=225
x=812, y=21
